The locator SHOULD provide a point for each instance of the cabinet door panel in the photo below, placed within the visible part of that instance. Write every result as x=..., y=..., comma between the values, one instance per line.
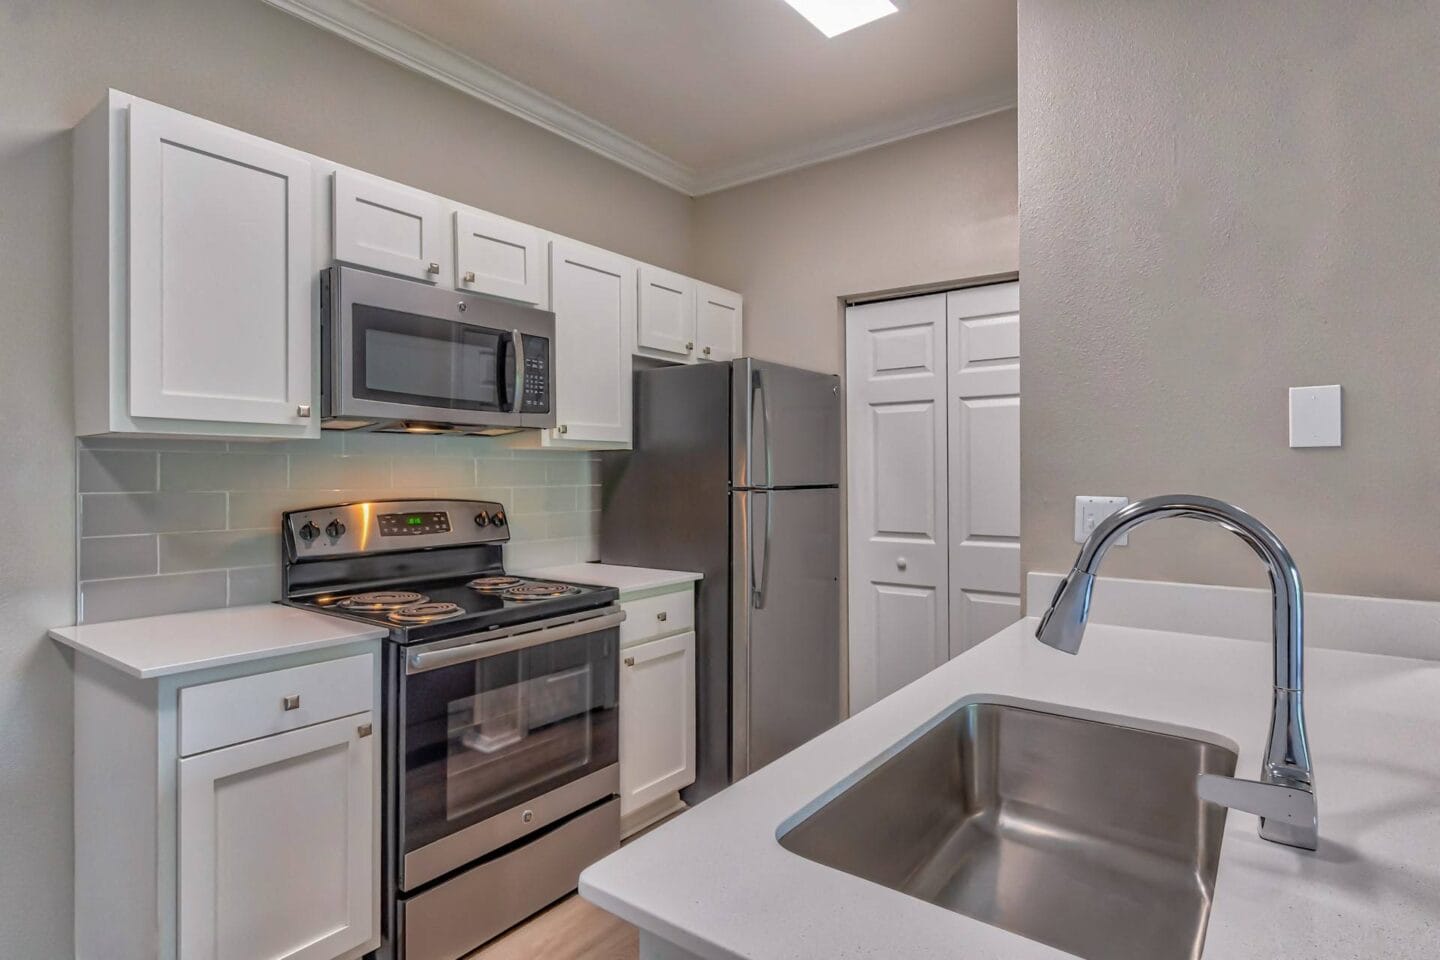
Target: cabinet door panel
x=277, y=844
x=657, y=720
x=499, y=257
x=592, y=293
x=717, y=323
x=390, y=227
x=220, y=309
x=667, y=312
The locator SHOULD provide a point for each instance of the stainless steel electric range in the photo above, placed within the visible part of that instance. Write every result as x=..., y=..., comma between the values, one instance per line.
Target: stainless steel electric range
x=500, y=720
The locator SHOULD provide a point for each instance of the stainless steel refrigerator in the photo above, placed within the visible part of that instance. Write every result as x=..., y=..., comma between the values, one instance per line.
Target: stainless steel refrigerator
x=735, y=474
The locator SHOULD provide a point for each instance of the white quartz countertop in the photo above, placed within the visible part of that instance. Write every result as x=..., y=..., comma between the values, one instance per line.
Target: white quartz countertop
x=715, y=882
x=628, y=580
x=179, y=642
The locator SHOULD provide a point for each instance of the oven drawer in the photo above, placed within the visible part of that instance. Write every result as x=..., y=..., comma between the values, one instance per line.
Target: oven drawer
x=214, y=715
x=455, y=917
x=659, y=616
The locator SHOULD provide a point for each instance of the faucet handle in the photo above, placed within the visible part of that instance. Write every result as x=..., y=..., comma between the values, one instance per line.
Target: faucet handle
x=1287, y=811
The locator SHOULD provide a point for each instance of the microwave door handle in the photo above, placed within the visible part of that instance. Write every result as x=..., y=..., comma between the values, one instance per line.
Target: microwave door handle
x=517, y=350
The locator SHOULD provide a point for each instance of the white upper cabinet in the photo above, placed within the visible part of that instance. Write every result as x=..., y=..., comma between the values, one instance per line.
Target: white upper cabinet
x=499, y=257
x=667, y=313
x=717, y=323
x=390, y=227
x=219, y=273
x=194, y=278
x=592, y=293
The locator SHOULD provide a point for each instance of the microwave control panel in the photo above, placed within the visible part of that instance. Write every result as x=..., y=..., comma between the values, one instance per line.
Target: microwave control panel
x=535, y=395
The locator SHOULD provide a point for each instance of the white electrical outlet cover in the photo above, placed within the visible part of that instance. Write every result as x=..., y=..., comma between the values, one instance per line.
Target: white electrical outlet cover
x=1315, y=416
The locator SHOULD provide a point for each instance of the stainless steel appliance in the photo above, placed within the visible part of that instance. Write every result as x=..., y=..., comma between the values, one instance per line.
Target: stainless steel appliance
x=735, y=473
x=402, y=355
x=501, y=731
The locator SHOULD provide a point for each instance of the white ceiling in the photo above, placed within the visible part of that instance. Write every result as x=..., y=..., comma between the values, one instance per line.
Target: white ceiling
x=701, y=94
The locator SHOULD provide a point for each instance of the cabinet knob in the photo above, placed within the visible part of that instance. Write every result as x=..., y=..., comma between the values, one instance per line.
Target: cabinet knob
x=363, y=730
x=690, y=345
x=433, y=269
x=901, y=563
x=629, y=661
x=528, y=816
x=303, y=410
x=707, y=351
x=291, y=702
x=563, y=429
x=662, y=616
x=469, y=276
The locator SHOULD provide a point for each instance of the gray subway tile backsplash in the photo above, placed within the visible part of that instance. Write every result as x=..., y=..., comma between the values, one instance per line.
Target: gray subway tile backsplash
x=147, y=596
x=111, y=471
x=117, y=514
x=104, y=557
x=173, y=525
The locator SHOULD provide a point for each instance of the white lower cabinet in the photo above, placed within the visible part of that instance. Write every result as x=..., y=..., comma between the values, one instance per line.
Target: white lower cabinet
x=657, y=721
x=229, y=813
x=275, y=854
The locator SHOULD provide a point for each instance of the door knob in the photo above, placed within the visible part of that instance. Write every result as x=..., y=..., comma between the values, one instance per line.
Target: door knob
x=901, y=563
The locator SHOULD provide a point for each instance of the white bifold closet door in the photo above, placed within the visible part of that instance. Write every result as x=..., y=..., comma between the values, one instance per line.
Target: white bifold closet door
x=933, y=402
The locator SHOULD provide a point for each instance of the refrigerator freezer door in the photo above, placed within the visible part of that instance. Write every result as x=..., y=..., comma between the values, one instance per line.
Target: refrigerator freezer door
x=786, y=602
x=785, y=426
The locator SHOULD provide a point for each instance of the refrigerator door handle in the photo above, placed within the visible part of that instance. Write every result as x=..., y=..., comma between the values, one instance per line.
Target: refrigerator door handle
x=760, y=574
x=757, y=390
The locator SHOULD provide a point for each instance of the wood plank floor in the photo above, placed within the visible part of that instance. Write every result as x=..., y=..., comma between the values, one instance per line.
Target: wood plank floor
x=572, y=929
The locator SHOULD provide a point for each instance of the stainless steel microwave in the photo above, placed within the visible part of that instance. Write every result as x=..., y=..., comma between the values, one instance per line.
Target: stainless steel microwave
x=398, y=354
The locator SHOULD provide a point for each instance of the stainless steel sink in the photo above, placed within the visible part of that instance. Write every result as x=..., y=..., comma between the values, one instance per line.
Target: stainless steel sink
x=1082, y=835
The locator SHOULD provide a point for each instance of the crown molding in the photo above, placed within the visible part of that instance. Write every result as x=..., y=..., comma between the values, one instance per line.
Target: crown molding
x=393, y=41
x=396, y=42
x=903, y=128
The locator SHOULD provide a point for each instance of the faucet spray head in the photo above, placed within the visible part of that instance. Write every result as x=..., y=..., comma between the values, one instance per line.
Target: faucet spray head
x=1063, y=625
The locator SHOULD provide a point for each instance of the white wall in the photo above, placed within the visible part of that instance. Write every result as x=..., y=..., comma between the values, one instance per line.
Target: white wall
x=1219, y=201
x=929, y=210
x=241, y=63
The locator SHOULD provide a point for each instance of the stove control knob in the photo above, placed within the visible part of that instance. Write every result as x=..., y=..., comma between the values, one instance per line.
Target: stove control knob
x=335, y=529
x=498, y=519
x=482, y=519
x=310, y=531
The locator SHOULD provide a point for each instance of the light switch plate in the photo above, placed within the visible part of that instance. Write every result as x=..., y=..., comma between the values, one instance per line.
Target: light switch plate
x=1315, y=416
x=1089, y=511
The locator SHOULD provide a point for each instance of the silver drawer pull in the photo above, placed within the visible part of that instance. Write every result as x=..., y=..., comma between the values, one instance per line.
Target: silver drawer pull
x=629, y=661
x=469, y=276
x=433, y=268
x=364, y=730
x=291, y=702
x=662, y=616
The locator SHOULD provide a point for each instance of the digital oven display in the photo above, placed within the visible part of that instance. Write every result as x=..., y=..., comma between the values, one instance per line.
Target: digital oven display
x=411, y=524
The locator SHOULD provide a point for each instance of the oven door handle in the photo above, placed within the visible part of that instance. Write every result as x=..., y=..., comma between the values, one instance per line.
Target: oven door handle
x=448, y=657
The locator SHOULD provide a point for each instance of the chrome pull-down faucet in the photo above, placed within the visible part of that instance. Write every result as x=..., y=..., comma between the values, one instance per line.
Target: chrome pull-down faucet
x=1284, y=796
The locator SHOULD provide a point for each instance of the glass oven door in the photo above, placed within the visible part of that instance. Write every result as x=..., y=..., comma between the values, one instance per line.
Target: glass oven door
x=486, y=741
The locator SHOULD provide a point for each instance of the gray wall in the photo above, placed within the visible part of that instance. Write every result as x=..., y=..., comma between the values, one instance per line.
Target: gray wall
x=172, y=525
x=247, y=65
x=929, y=210
x=1219, y=201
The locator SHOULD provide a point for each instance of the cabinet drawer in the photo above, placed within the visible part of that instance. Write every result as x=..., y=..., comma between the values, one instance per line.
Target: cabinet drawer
x=230, y=711
x=658, y=616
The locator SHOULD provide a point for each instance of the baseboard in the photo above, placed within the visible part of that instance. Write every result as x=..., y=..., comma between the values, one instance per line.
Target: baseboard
x=1396, y=628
